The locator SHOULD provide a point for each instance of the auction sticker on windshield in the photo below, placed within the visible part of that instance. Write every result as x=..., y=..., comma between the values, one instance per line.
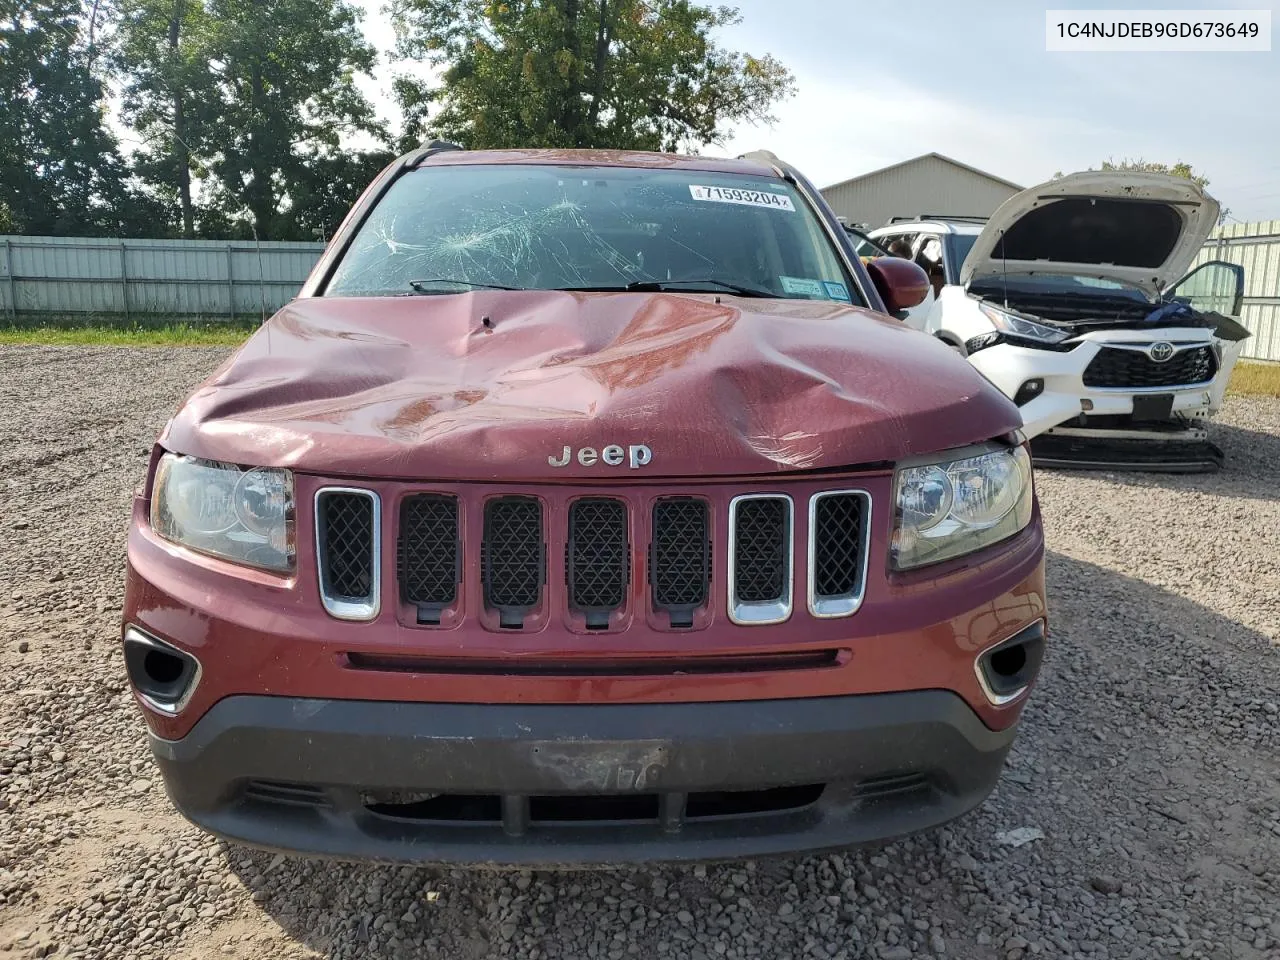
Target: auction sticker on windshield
x=801, y=286
x=750, y=198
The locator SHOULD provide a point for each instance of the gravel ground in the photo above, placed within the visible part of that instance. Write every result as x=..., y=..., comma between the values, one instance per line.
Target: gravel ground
x=1147, y=759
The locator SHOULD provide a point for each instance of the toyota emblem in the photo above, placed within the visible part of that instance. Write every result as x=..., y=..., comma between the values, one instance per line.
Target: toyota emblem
x=1160, y=352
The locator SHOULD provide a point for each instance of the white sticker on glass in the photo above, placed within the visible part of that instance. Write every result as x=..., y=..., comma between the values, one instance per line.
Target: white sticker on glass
x=750, y=198
x=802, y=286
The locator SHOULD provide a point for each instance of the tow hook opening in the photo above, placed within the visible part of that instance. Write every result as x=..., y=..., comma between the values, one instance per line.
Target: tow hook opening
x=164, y=676
x=1007, y=670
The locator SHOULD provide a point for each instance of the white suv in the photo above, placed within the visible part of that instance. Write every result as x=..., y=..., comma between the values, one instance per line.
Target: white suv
x=1071, y=299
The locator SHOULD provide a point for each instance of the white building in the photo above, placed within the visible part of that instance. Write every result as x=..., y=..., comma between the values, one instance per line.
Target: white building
x=929, y=184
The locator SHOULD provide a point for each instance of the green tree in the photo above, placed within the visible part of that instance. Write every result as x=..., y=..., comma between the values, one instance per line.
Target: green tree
x=623, y=74
x=326, y=188
x=285, y=98
x=60, y=170
x=162, y=50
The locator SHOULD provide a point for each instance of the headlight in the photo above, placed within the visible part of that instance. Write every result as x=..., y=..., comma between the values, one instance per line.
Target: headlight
x=954, y=507
x=1015, y=326
x=245, y=516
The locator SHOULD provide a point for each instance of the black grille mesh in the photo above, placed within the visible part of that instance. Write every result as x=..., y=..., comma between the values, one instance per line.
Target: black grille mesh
x=1134, y=369
x=512, y=552
x=680, y=558
x=346, y=534
x=599, y=554
x=837, y=545
x=760, y=550
x=428, y=550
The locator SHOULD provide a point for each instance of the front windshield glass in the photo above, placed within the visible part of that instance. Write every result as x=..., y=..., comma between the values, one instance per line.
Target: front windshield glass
x=451, y=228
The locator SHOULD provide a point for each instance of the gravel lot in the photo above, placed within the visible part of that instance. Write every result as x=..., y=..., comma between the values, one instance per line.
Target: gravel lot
x=1148, y=756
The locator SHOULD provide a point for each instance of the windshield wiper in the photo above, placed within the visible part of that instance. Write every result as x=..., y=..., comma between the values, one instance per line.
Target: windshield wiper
x=424, y=286
x=641, y=286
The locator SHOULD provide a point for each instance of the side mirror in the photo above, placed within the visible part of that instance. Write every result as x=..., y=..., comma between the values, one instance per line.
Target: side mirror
x=900, y=283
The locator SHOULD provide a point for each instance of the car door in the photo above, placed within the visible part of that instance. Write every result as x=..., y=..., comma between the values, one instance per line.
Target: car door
x=1216, y=287
x=920, y=317
x=1213, y=287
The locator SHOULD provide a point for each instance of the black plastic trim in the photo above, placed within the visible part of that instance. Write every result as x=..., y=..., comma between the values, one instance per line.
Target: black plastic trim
x=353, y=748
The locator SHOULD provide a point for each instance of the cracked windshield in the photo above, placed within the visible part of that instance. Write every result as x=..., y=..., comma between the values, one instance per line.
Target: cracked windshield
x=450, y=229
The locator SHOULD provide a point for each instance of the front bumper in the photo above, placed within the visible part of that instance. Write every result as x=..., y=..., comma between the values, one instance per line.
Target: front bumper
x=580, y=784
x=1065, y=395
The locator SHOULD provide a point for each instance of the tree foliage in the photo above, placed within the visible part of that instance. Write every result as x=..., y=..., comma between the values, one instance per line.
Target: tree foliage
x=60, y=169
x=285, y=99
x=163, y=54
x=240, y=115
x=622, y=74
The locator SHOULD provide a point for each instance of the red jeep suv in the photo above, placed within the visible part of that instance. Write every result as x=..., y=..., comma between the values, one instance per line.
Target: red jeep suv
x=586, y=507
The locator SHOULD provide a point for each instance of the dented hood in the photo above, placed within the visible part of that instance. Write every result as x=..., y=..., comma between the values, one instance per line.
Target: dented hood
x=495, y=385
x=1143, y=229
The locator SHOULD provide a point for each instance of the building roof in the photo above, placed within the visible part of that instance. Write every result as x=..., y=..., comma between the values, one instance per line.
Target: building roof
x=925, y=156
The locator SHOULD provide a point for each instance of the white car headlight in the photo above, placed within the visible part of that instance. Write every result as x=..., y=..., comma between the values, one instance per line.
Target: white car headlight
x=1020, y=327
x=953, y=507
x=245, y=516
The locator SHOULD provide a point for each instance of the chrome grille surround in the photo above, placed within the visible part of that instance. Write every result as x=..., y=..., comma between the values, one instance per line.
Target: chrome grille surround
x=342, y=604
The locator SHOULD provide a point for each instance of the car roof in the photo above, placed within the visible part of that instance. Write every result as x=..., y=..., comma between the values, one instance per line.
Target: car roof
x=601, y=158
x=961, y=227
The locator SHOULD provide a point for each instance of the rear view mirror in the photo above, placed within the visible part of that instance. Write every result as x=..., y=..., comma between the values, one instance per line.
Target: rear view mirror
x=900, y=283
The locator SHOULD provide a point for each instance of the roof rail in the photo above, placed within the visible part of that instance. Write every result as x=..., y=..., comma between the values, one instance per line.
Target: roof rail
x=940, y=216
x=429, y=149
x=764, y=156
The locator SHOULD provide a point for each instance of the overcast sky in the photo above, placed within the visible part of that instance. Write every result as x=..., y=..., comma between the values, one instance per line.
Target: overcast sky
x=882, y=82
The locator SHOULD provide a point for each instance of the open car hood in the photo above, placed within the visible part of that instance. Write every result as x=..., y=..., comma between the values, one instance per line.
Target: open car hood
x=496, y=385
x=1143, y=229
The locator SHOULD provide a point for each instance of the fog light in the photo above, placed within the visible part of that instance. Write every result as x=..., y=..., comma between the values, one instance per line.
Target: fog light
x=164, y=676
x=1086, y=405
x=1006, y=670
x=1028, y=391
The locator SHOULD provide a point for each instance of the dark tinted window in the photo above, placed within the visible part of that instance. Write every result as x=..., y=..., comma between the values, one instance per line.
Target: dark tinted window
x=555, y=227
x=958, y=247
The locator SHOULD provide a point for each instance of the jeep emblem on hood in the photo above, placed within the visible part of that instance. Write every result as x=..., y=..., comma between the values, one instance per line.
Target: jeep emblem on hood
x=636, y=455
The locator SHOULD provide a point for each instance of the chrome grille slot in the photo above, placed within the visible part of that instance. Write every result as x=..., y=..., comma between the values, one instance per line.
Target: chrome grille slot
x=680, y=558
x=598, y=558
x=760, y=558
x=839, y=536
x=348, y=545
x=428, y=554
x=513, y=557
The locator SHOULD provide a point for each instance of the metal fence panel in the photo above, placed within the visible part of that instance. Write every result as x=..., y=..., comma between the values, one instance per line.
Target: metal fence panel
x=205, y=278
x=217, y=278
